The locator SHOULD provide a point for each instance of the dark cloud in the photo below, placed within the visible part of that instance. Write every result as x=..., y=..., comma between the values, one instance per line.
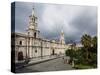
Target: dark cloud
x=85, y=22
x=52, y=18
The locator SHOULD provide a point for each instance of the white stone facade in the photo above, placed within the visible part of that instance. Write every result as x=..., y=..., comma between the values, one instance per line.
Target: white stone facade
x=31, y=45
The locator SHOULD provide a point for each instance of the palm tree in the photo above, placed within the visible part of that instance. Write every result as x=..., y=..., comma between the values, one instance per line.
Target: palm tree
x=94, y=43
x=86, y=42
x=73, y=45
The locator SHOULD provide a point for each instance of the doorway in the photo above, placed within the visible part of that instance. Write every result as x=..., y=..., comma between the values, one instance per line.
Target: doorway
x=20, y=55
x=53, y=52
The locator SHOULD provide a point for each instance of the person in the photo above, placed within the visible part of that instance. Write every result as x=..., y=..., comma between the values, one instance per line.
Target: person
x=64, y=59
x=68, y=60
x=73, y=64
x=27, y=60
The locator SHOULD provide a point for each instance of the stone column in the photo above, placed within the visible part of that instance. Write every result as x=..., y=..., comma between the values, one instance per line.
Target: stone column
x=27, y=49
x=30, y=48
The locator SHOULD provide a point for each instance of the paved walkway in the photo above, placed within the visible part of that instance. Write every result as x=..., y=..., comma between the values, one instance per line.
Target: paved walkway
x=52, y=65
x=37, y=60
x=41, y=59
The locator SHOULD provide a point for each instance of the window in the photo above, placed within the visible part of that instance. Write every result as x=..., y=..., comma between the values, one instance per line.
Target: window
x=28, y=33
x=35, y=51
x=35, y=35
x=32, y=19
x=20, y=42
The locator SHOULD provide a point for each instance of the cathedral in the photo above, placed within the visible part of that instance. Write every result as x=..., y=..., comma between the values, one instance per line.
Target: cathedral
x=30, y=45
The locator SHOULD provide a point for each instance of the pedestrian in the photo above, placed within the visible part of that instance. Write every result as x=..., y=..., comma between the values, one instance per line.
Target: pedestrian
x=64, y=59
x=68, y=60
x=73, y=64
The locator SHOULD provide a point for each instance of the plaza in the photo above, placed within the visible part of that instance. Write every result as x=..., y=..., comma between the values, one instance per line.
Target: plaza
x=51, y=65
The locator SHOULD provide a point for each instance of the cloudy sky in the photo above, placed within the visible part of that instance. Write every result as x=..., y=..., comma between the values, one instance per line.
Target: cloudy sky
x=52, y=18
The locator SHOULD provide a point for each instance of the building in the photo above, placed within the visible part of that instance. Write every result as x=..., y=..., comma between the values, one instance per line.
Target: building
x=75, y=46
x=30, y=45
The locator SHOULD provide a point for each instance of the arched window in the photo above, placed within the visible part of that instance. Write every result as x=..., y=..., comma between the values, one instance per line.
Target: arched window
x=28, y=33
x=20, y=42
x=32, y=18
x=35, y=51
x=35, y=35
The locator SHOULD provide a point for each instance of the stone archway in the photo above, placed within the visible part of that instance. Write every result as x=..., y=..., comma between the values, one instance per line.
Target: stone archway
x=20, y=55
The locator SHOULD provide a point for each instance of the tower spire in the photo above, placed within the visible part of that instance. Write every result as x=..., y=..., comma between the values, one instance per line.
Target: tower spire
x=32, y=20
x=32, y=11
x=62, y=40
x=32, y=26
x=62, y=32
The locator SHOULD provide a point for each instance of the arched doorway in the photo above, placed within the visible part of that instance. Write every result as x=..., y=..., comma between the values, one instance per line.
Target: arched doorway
x=53, y=52
x=20, y=55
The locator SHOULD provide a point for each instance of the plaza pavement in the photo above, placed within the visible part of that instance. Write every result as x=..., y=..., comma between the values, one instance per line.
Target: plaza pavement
x=54, y=64
x=36, y=60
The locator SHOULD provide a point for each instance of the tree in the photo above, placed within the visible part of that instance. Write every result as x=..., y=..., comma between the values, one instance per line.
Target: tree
x=94, y=44
x=86, y=42
x=73, y=46
x=94, y=51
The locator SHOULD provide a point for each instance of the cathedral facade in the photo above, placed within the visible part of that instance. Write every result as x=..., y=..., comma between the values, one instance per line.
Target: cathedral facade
x=30, y=44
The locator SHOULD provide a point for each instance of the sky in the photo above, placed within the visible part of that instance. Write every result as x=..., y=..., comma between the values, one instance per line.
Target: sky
x=74, y=20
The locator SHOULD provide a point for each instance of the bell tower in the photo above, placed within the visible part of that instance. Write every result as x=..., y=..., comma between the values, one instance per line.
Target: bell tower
x=33, y=33
x=32, y=26
x=62, y=40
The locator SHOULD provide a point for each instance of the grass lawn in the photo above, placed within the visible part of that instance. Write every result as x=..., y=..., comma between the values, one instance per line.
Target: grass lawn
x=82, y=66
